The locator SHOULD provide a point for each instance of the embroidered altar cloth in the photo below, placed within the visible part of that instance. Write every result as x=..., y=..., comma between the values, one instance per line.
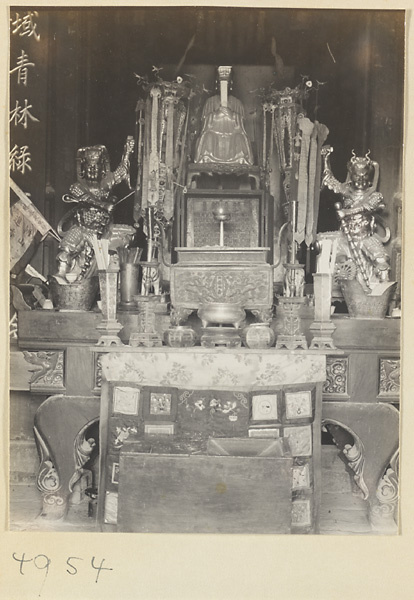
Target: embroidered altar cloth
x=216, y=369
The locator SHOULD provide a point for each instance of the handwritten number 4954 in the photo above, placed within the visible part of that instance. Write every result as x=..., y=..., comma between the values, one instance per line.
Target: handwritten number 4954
x=43, y=562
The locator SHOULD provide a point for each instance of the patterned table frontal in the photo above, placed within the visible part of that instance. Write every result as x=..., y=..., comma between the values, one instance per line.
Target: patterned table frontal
x=218, y=370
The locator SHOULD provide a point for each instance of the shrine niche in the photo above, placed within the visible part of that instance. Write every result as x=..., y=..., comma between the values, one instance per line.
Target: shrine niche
x=225, y=203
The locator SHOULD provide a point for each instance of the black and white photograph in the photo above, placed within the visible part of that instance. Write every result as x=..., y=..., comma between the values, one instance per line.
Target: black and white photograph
x=205, y=269
x=206, y=292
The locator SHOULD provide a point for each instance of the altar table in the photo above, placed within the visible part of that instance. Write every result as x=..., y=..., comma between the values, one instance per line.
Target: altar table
x=169, y=401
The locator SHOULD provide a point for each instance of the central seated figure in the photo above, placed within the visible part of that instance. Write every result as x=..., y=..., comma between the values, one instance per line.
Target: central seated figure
x=223, y=138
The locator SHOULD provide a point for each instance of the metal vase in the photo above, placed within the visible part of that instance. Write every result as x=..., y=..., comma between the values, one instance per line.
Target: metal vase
x=129, y=275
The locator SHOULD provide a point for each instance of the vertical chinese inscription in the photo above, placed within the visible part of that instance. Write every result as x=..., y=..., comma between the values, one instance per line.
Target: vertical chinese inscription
x=28, y=65
x=22, y=68
x=23, y=25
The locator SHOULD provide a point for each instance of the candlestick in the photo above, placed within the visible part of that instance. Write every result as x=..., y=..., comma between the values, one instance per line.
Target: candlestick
x=108, y=283
x=221, y=215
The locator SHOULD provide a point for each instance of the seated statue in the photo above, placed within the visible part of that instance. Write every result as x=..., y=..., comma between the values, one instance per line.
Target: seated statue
x=358, y=216
x=223, y=138
x=92, y=215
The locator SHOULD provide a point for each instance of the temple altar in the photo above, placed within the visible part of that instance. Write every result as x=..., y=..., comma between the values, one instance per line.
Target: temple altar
x=200, y=334
x=77, y=372
x=194, y=395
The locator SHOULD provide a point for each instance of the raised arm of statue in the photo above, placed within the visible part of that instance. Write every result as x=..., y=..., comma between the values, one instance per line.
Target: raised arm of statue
x=328, y=178
x=121, y=173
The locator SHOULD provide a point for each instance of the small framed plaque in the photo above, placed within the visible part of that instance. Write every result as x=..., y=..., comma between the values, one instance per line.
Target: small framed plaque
x=126, y=400
x=300, y=477
x=264, y=407
x=115, y=473
x=300, y=440
x=111, y=508
x=298, y=404
x=159, y=428
x=301, y=513
x=264, y=432
x=159, y=403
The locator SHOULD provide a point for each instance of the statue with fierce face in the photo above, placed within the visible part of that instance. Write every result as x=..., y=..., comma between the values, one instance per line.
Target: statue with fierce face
x=358, y=216
x=92, y=215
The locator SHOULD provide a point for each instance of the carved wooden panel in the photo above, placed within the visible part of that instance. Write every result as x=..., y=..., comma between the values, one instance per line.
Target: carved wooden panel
x=389, y=376
x=336, y=375
x=250, y=285
x=47, y=369
x=97, y=372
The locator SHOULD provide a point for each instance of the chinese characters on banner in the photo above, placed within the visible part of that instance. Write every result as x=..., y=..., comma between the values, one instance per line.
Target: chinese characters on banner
x=27, y=126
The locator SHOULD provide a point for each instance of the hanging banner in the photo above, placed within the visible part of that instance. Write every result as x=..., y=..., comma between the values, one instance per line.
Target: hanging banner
x=25, y=206
x=22, y=235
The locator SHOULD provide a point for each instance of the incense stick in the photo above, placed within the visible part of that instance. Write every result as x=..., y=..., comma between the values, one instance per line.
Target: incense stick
x=129, y=255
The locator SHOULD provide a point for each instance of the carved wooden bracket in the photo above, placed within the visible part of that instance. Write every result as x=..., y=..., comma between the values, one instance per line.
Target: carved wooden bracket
x=383, y=511
x=47, y=478
x=354, y=453
x=83, y=447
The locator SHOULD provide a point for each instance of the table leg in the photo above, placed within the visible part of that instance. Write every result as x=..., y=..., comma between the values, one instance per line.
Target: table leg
x=374, y=429
x=60, y=426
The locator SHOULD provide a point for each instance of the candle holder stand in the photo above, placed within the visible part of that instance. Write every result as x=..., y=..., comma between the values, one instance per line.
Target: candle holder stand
x=322, y=328
x=108, y=284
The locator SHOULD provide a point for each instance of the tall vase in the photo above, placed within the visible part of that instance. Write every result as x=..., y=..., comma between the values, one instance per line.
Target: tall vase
x=108, y=283
x=129, y=284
